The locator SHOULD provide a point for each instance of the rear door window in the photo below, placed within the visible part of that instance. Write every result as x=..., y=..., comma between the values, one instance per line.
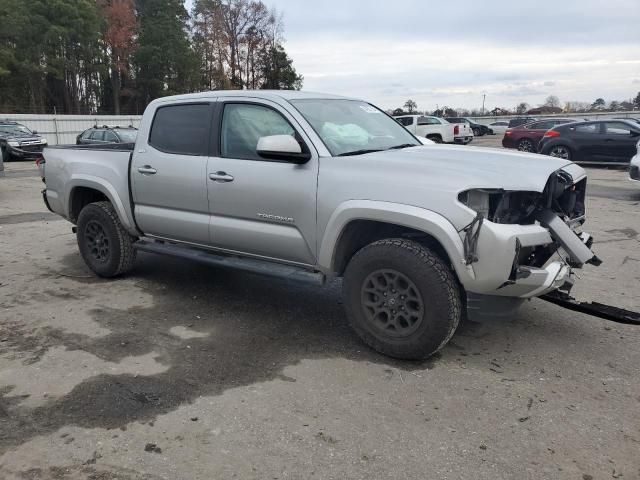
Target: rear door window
x=405, y=121
x=182, y=129
x=97, y=135
x=428, y=121
x=110, y=137
x=588, y=128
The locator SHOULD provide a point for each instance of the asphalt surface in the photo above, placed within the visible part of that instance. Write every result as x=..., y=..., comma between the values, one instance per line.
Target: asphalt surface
x=181, y=371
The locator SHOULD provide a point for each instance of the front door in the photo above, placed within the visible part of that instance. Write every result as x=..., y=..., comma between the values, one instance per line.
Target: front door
x=168, y=174
x=620, y=141
x=258, y=206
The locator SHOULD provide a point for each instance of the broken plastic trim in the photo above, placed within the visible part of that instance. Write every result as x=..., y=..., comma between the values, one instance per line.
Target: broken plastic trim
x=595, y=309
x=472, y=234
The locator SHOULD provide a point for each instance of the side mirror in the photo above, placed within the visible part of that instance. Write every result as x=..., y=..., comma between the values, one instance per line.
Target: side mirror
x=282, y=147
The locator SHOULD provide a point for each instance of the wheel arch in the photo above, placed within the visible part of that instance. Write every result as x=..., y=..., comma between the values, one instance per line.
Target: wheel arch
x=83, y=190
x=357, y=223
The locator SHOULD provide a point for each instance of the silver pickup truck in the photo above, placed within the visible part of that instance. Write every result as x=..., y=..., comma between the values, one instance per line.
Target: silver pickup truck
x=312, y=186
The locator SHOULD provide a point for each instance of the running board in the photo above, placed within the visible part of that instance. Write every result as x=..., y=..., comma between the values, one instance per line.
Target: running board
x=614, y=314
x=261, y=267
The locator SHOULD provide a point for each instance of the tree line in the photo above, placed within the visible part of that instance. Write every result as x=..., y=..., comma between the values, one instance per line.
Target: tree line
x=552, y=102
x=115, y=56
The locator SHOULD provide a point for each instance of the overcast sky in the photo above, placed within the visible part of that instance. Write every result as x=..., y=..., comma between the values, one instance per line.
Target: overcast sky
x=450, y=52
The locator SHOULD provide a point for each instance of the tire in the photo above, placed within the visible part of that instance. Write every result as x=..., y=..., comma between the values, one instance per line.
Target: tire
x=526, y=145
x=106, y=247
x=435, y=138
x=560, y=151
x=410, y=331
x=476, y=132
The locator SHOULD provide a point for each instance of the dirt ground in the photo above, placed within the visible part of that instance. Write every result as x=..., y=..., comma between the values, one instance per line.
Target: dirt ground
x=181, y=371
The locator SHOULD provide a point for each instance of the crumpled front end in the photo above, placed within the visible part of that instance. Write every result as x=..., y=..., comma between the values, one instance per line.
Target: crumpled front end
x=526, y=244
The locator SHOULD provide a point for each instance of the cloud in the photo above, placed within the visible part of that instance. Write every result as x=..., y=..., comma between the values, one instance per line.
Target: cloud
x=549, y=83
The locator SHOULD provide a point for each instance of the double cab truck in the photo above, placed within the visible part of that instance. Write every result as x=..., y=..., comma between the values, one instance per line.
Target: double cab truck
x=436, y=129
x=313, y=187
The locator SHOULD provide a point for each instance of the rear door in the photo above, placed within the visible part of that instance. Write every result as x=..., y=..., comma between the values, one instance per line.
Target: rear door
x=168, y=173
x=619, y=141
x=588, y=141
x=260, y=207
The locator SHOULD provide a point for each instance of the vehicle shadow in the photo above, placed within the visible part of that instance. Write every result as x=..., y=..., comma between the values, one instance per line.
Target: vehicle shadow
x=252, y=328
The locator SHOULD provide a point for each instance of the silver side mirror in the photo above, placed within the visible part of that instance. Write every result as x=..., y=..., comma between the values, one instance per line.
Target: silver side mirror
x=282, y=147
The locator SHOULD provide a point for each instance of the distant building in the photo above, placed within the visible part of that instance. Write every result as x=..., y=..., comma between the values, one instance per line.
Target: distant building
x=544, y=110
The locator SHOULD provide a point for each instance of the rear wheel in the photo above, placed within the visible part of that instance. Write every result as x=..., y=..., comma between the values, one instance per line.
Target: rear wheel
x=401, y=298
x=526, y=145
x=476, y=132
x=435, y=138
x=560, y=151
x=105, y=246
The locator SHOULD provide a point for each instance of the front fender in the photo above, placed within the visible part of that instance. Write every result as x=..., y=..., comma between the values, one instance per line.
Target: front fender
x=409, y=216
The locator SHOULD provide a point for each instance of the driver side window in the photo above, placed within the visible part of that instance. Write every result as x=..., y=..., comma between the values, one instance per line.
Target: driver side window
x=242, y=126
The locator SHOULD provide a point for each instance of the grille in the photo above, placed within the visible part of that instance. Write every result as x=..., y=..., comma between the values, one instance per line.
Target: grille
x=31, y=148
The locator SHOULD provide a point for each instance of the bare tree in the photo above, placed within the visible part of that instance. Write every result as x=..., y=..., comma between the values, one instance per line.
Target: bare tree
x=411, y=106
x=552, y=101
x=522, y=108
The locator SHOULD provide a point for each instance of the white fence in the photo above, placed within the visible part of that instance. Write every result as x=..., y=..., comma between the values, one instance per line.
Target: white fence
x=61, y=129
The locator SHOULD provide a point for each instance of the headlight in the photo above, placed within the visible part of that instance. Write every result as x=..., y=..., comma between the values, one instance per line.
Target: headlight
x=13, y=144
x=499, y=206
x=479, y=200
x=43, y=140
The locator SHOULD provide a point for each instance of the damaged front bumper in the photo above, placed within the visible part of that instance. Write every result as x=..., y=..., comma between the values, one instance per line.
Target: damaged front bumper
x=526, y=260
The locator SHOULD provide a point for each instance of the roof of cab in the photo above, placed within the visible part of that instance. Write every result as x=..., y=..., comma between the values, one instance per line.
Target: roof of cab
x=266, y=94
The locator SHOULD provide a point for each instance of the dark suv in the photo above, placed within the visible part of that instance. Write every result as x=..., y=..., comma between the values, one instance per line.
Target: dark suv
x=17, y=141
x=106, y=134
x=478, y=130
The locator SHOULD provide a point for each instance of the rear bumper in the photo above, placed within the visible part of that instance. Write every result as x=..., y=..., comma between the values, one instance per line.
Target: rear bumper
x=463, y=140
x=508, y=142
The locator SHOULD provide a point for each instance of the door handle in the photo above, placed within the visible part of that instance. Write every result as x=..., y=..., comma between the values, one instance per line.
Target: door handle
x=221, y=177
x=147, y=170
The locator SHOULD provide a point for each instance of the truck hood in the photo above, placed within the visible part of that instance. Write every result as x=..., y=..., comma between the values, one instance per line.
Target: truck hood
x=462, y=167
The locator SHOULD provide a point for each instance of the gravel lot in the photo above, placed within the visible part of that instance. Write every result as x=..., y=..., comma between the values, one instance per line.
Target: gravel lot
x=181, y=371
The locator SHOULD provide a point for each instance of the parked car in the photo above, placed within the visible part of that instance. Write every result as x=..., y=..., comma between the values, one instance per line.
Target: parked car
x=516, y=122
x=477, y=129
x=629, y=119
x=526, y=137
x=499, y=127
x=107, y=134
x=18, y=141
x=601, y=141
x=436, y=129
x=312, y=187
x=634, y=166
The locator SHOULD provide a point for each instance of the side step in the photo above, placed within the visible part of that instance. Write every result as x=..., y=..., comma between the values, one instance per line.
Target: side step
x=615, y=314
x=261, y=267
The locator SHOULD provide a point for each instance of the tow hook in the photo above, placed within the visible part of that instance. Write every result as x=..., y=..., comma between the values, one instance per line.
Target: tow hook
x=595, y=309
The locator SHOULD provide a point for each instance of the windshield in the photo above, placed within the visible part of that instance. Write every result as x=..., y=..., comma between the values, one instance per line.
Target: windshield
x=15, y=129
x=351, y=127
x=128, y=136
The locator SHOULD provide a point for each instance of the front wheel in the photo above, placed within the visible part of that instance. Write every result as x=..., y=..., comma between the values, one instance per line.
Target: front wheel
x=105, y=246
x=401, y=299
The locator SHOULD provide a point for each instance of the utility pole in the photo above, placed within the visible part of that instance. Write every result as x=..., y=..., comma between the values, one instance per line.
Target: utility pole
x=484, y=95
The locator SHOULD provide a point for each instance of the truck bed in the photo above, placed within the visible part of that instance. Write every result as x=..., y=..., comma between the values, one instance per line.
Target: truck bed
x=102, y=167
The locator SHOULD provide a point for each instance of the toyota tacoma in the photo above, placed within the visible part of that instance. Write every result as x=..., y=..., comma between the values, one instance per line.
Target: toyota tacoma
x=313, y=187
